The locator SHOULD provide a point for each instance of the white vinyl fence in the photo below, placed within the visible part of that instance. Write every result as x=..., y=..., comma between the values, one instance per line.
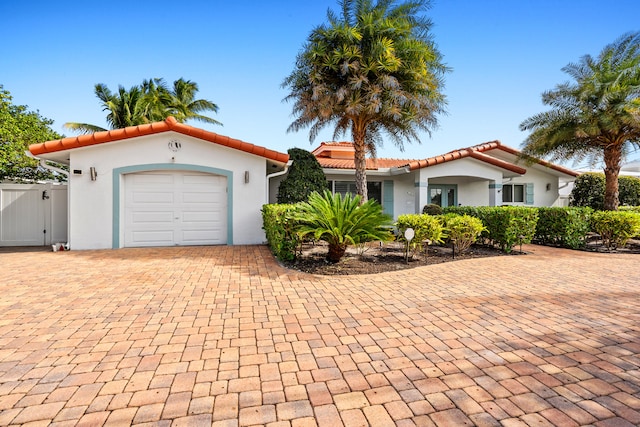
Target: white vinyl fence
x=33, y=214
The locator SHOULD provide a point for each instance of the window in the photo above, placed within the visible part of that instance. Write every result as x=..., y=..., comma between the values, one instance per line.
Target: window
x=374, y=189
x=513, y=193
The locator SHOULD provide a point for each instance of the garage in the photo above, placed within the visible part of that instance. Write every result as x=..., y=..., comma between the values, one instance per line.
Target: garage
x=164, y=184
x=175, y=208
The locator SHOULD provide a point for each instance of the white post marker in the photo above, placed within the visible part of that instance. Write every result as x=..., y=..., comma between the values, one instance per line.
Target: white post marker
x=409, y=234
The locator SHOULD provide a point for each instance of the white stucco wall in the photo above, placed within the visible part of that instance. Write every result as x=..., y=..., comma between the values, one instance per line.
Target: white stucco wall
x=91, y=213
x=539, y=179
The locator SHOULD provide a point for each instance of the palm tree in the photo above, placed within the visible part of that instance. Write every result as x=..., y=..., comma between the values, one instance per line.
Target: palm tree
x=125, y=109
x=597, y=115
x=373, y=69
x=341, y=221
x=152, y=101
x=183, y=106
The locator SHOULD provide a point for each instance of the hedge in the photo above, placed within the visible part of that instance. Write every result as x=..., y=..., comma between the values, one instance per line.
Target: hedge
x=567, y=227
x=278, y=228
x=615, y=227
x=505, y=226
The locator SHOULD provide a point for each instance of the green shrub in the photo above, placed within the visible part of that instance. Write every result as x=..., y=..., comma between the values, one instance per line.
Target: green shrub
x=462, y=230
x=567, y=227
x=588, y=190
x=427, y=228
x=505, y=226
x=629, y=190
x=305, y=176
x=279, y=229
x=341, y=221
x=432, y=209
x=615, y=227
x=635, y=209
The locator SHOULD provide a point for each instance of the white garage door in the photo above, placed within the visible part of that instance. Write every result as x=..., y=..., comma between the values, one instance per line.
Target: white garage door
x=167, y=208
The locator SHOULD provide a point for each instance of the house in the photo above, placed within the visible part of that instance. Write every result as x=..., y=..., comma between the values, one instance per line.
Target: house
x=163, y=184
x=489, y=174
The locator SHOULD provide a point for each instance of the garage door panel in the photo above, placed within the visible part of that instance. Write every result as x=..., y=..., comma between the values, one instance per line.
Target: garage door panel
x=175, y=208
x=146, y=217
x=153, y=197
x=153, y=238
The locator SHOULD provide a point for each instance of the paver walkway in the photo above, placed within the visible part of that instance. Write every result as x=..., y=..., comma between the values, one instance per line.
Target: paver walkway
x=224, y=336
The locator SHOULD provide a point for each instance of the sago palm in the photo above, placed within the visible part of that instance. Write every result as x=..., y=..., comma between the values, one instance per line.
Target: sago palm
x=597, y=115
x=372, y=70
x=341, y=221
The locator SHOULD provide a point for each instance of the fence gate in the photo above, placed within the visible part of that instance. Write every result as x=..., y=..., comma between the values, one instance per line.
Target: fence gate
x=33, y=214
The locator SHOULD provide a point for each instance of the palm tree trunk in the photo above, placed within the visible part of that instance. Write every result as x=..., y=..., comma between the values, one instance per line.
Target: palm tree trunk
x=336, y=252
x=612, y=160
x=359, y=134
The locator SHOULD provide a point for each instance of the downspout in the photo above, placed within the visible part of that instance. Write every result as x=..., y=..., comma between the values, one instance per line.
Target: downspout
x=276, y=174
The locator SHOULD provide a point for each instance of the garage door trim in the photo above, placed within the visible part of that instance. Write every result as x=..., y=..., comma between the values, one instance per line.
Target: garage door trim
x=117, y=197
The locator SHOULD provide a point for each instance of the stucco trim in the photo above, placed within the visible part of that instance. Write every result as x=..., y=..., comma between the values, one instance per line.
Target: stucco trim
x=117, y=179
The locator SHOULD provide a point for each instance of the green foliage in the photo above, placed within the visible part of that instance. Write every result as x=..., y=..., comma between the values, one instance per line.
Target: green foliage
x=567, y=227
x=341, y=221
x=18, y=129
x=505, y=226
x=589, y=190
x=305, y=176
x=428, y=229
x=595, y=116
x=432, y=209
x=152, y=101
x=635, y=209
x=462, y=230
x=279, y=229
x=616, y=227
x=629, y=188
x=371, y=69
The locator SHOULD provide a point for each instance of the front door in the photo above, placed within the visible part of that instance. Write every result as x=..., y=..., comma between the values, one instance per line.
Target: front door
x=443, y=195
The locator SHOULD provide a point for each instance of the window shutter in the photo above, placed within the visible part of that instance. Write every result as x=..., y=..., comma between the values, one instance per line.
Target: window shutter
x=387, y=196
x=529, y=193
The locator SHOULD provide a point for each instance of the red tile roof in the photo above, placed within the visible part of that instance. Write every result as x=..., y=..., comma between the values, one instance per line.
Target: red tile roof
x=170, y=124
x=476, y=152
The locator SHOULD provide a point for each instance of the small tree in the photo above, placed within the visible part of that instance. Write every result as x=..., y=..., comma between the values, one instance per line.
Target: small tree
x=305, y=176
x=341, y=222
x=18, y=129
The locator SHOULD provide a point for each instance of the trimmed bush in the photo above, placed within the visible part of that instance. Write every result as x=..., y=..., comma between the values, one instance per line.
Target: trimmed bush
x=428, y=229
x=462, y=230
x=567, y=227
x=635, y=209
x=629, y=190
x=505, y=226
x=432, y=209
x=616, y=227
x=305, y=176
x=279, y=229
x=588, y=190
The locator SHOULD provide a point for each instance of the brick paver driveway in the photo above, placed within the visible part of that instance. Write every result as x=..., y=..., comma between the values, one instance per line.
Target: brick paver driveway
x=225, y=336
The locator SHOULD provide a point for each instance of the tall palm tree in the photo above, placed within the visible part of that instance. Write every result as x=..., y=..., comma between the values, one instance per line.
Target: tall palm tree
x=151, y=101
x=371, y=70
x=597, y=115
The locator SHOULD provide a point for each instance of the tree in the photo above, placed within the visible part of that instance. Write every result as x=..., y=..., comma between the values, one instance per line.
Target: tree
x=305, y=176
x=341, y=221
x=597, y=115
x=372, y=70
x=149, y=102
x=19, y=128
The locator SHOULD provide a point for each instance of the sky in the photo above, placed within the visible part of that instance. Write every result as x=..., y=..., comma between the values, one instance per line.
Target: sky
x=503, y=55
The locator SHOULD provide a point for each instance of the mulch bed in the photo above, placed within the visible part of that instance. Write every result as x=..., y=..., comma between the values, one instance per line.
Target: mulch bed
x=377, y=258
